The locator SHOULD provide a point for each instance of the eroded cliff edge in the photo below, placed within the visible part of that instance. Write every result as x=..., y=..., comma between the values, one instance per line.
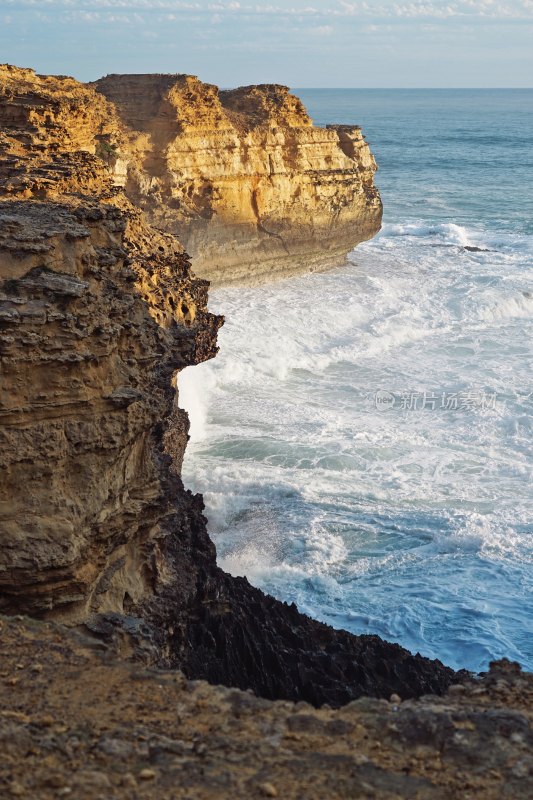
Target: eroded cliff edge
x=246, y=182
x=98, y=312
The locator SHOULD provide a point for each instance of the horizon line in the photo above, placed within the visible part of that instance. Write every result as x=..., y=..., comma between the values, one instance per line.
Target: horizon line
x=420, y=88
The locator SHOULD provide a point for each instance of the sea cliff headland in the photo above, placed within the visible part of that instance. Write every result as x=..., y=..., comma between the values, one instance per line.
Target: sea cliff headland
x=100, y=312
x=242, y=177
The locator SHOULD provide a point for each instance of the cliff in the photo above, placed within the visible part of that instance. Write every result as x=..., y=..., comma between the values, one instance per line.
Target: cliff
x=98, y=314
x=250, y=187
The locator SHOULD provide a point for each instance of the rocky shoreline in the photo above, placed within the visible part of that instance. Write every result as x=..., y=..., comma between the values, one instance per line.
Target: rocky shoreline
x=99, y=311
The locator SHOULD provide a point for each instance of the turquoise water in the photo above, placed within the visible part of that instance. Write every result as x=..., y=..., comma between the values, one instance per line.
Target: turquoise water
x=364, y=439
x=447, y=154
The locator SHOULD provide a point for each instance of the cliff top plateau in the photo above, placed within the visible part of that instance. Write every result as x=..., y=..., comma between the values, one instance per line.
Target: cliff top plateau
x=149, y=734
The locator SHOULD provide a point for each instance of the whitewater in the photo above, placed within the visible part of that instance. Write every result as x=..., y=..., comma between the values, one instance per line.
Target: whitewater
x=363, y=441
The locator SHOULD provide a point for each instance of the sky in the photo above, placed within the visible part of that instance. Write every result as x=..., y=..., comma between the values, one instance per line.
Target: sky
x=301, y=43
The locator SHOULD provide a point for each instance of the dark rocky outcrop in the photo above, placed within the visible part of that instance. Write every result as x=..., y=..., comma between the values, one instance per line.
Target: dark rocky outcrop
x=221, y=629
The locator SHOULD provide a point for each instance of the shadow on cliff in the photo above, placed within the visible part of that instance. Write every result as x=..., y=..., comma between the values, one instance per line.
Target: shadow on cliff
x=219, y=628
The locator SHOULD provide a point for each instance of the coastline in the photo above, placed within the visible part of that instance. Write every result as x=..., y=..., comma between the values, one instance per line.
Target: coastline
x=395, y=521
x=107, y=554
x=113, y=313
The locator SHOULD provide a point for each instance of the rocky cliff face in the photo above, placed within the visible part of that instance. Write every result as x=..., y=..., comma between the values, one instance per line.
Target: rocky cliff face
x=98, y=312
x=242, y=177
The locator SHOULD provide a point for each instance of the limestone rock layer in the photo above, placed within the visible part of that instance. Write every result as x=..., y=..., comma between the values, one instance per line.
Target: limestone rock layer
x=242, y=177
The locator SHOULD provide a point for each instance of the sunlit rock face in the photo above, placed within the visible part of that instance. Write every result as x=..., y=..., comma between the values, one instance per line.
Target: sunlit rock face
x=97, y=312
x=242, y=177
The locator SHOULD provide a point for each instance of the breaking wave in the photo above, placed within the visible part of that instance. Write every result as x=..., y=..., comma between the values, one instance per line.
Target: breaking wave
x=410, y=519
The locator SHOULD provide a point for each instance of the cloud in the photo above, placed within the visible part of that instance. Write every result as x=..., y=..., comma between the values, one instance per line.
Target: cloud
x=519, y=9
x=224, y=6
x=101, y=5
x=321, y=30
x=322, y=9
x=104, y=17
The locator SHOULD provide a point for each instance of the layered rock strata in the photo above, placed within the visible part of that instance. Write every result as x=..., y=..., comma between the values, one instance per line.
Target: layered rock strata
x=243, y=178
x=98, y=312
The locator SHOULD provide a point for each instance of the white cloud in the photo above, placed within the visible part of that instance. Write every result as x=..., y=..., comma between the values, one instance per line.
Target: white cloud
x=102, y=17
x=518, y=9
x=321, y=30
x=465, y=8
x=326, y=9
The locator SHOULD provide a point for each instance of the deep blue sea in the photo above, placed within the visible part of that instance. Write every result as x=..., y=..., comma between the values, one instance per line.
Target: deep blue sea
x=364, y=439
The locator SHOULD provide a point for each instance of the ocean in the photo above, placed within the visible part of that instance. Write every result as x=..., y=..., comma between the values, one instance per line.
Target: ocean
x=363, y=440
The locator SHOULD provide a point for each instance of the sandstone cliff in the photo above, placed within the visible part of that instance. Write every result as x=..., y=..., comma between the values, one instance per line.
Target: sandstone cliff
x=98, y=312
x=247, y=183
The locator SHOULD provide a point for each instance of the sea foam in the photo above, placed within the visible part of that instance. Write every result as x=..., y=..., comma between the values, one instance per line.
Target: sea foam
x=410, y=520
